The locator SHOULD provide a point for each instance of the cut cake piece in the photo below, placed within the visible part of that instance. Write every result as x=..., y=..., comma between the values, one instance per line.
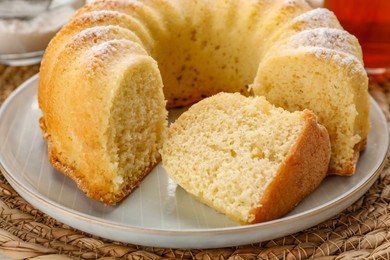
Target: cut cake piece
x=246, y=158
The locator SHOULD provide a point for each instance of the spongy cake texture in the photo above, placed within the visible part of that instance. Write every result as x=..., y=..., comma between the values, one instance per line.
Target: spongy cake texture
x=305, y=74
x=103, y=137
x=296, y=56
x=246, y=158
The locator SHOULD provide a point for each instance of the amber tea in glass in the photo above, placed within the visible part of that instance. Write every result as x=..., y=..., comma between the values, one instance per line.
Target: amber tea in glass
x=369, y=21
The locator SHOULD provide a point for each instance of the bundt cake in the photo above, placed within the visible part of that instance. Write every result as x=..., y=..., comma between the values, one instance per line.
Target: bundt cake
x=317, y=69
x=246, y=158
x=101, y=136
x=102, y=76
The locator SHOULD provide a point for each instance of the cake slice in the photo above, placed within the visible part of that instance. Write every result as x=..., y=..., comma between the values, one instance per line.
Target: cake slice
x=105, y=132
x=329, y=82
x=246, y=158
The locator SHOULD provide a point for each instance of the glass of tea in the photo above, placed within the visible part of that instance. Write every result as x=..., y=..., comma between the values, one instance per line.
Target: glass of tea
x=369, y=21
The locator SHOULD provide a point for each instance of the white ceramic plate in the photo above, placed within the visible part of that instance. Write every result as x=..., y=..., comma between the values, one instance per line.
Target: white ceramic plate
x=159, y=213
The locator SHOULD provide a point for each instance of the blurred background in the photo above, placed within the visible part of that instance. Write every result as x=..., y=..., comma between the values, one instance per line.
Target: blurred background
x=26, y=27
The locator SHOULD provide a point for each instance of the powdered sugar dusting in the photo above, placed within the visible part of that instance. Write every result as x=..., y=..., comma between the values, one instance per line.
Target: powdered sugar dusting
x=93, y=33
x=107, y=17
x=99, y=33
x=319, y=17
x=101, y=55
x=106, y=48
x=99, y=15
x=344, y=59
x=331, y=38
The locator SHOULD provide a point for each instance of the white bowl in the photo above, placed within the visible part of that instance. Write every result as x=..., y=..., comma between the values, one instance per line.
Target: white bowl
x=24, y=39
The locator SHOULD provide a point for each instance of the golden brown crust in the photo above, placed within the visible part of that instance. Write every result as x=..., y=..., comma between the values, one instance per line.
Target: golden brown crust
x=106, y=197
x=98, y=193
x=89, y=172
x=349, y=169
x=301, y=173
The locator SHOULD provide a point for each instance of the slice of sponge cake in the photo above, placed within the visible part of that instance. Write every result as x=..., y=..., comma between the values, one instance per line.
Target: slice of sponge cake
x=246, y=158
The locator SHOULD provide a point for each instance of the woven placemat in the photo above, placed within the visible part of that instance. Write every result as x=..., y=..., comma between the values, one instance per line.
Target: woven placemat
x=361, y=231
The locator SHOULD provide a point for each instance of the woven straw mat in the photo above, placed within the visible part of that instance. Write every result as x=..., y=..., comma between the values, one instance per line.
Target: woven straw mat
x=362, y=231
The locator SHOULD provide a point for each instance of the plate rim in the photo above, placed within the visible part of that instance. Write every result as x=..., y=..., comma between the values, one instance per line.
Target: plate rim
x=17, y=185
